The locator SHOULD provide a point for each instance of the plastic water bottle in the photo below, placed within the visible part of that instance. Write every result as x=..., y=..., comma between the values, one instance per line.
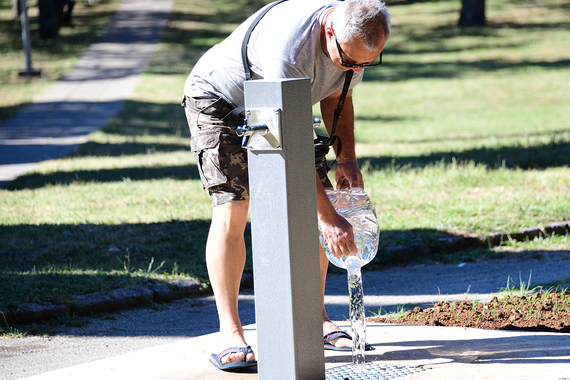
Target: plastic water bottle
x=354, y=205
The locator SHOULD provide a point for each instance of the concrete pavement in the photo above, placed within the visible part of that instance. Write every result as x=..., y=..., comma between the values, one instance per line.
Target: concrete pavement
x=412, y=352
x=175, y=343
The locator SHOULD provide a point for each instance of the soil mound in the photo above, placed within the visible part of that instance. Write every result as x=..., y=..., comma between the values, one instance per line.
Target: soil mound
x=533, y=312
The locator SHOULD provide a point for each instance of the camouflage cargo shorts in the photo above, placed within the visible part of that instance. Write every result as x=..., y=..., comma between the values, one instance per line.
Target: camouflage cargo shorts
x=221, y=161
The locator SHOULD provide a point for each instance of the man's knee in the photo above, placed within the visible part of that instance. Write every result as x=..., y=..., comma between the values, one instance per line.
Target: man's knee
x=231, y=215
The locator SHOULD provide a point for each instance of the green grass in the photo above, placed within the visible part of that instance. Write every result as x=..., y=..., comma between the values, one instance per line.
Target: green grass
x=462, y=130
x=482, y=200
x=54, y=56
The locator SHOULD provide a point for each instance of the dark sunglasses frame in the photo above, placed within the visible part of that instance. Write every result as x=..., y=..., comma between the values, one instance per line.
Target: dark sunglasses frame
x=354, y=65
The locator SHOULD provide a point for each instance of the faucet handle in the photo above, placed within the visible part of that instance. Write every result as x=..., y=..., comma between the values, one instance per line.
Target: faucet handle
x=247, y=131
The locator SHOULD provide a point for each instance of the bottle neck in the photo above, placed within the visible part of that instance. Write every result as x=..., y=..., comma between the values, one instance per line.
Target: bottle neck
x=353, y=265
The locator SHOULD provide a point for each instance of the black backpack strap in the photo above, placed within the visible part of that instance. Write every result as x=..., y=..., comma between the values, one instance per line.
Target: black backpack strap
x=337, y=112
x=246, y=67
x=234, y=113
x=324, y=145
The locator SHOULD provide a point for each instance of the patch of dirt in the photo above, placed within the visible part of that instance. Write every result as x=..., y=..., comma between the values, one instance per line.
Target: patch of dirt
x=532, y=312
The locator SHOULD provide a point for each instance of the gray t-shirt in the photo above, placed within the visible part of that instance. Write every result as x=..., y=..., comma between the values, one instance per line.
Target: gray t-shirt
x=285, y=44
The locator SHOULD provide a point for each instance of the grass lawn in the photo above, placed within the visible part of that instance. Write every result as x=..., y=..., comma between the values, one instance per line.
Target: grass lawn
x=54, y=56
x=460, y=130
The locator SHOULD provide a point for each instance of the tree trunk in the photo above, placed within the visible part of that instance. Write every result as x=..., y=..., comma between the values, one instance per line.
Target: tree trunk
x=16, y=9
x=472, y=13
x=47, y=18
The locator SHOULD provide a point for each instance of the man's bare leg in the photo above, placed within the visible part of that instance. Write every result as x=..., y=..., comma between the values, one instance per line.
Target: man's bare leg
x=328, y=325
x=225, y=259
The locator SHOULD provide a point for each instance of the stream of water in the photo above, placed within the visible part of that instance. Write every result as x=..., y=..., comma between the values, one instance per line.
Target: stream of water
x=357, y=322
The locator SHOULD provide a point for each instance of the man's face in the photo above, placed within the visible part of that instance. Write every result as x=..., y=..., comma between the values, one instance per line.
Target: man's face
x=350, y=53
x=353, y=64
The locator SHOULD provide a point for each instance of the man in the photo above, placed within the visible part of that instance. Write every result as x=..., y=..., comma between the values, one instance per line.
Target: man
x=318, y=39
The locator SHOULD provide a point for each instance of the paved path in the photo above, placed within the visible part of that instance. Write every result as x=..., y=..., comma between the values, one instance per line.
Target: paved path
x=179, y=336
x=425, y=353
x=90, y=95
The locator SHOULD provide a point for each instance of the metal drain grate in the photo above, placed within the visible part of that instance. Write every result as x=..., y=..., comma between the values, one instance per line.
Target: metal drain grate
x=371, y=371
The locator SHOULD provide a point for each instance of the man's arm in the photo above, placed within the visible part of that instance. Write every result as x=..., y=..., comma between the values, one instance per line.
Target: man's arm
x=337, y=230
x=347, y=172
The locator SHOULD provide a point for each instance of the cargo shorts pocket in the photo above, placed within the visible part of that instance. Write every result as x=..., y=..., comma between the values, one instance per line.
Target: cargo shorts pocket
x=206, y=149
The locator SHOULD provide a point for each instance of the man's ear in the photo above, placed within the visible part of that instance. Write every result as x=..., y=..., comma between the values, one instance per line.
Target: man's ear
x=329, y=32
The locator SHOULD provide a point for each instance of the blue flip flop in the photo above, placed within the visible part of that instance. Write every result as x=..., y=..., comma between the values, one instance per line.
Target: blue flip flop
x=340, y=334
x=216, y=360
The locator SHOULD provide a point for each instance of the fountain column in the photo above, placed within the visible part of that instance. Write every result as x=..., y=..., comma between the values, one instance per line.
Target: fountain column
x=279, y=136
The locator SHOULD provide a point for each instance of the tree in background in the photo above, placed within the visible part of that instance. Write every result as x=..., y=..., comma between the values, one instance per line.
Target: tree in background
x=472, y=13
x=16, y=9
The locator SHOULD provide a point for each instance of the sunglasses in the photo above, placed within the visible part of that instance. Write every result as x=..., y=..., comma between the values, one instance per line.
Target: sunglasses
x=354, y=65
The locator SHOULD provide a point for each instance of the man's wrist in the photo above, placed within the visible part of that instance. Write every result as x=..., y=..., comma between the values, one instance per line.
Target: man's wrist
x=345, y=159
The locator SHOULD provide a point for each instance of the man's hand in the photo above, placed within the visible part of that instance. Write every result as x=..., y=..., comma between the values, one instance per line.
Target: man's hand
x=348, y=175
x=336, y=230
x=338, y=233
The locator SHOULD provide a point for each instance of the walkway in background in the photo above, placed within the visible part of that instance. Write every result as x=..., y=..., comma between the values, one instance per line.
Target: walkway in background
x=90, y=95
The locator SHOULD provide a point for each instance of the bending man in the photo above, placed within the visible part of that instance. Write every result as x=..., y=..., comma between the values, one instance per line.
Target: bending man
x=316, y=39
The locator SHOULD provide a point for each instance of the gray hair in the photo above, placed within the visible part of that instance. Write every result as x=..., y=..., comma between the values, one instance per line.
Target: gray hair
x=364, y=20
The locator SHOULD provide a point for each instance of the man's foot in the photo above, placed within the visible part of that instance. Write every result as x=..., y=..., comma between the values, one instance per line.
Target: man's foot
x=339, y=342
x=234, y=358
x=238, y=355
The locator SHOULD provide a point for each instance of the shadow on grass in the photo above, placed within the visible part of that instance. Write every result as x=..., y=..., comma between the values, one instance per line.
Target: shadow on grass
x=436, y=39
x=88, y=26
x=534, y=157
x=384, y=118
x=402, y=71
x=554, y=134
x=36, y=180
x=163, y=127
x=188, y=44
x=53, y=262
x=425, y=40
x=547, y=155
x=54, y=120
x=138, y=118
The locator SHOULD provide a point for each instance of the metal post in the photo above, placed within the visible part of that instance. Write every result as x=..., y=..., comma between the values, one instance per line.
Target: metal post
x=28, y=71
x=288, y=304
